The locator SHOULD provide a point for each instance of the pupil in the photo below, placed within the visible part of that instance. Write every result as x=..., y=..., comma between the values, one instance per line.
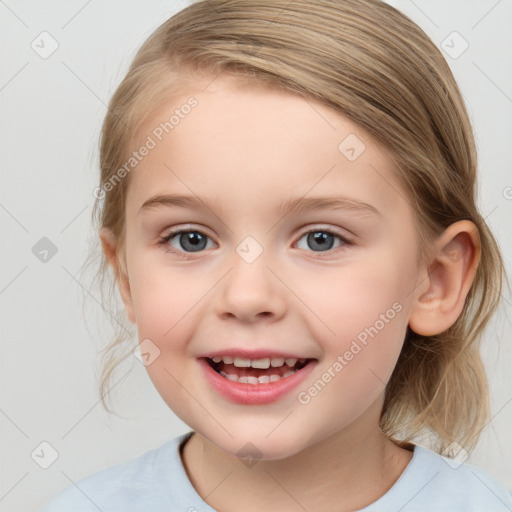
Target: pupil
x=196, y=240
x=324, y=241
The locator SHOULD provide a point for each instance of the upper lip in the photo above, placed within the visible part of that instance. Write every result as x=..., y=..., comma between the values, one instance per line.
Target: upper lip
x=253, y=354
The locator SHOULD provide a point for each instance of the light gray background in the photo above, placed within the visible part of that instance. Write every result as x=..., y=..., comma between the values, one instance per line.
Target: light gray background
x=51, y=112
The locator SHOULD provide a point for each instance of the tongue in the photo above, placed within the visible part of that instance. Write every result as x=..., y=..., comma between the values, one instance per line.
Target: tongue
x=252, y=372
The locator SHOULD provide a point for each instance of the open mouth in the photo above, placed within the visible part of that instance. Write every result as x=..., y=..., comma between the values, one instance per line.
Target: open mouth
x=257, y=371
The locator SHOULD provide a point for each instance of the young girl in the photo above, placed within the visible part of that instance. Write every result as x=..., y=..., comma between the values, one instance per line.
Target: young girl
x=288, y=203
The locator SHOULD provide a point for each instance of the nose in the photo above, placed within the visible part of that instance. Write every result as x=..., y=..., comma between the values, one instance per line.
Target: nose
x=251, y=292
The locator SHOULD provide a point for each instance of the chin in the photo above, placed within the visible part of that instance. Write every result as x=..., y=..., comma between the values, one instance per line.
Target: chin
x=252, y=448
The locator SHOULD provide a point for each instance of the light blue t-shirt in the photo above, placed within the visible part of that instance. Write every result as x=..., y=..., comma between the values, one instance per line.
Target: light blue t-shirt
x=156, y=481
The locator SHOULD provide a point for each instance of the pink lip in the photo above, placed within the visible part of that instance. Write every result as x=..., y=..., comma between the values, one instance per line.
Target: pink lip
x=254, y=394
x=251, y=354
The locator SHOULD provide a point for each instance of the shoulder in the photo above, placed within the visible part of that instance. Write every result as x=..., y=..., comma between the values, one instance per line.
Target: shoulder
x=434, y=482
x=130, y=486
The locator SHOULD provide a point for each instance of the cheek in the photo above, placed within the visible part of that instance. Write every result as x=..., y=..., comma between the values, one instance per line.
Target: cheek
x=359, y=361
x=361, y=321
x=165, y=301
x=352, y=298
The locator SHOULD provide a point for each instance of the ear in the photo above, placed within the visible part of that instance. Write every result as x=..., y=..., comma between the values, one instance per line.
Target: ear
x=110, y=248
x=450, y=274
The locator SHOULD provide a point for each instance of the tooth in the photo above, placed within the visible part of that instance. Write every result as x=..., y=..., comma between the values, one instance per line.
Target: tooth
x=239, y=362
x=260, y=363
x=287, y=374
x=290, y=361
x=227, y=359
x=217, y=359
x=273, y=378
x=252, y=380
x=277, y=361
x=264, y=379
x=243, y=380
x=230, y=376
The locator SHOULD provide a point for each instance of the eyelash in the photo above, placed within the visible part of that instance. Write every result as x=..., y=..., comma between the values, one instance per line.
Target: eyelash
x=164, y=241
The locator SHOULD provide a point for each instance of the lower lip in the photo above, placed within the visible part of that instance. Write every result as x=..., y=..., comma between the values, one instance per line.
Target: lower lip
x=254, y=394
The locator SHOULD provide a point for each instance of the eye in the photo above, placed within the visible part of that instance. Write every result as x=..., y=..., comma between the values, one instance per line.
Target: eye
x=322, y=240
x=185, y=241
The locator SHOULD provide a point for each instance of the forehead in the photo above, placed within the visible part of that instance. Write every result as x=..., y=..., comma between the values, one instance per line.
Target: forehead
x=242, y=142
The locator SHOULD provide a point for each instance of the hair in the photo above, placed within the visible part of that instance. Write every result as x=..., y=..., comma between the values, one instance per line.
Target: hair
x=391, y=80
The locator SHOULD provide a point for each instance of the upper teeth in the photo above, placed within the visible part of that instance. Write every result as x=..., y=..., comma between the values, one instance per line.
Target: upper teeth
x=240, y=362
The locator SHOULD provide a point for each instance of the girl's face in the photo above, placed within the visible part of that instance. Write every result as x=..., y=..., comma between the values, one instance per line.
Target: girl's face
x=279, y=261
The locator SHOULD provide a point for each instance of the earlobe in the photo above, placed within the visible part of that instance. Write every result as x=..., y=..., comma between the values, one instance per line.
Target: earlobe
x=441, y=300
x=110, y=248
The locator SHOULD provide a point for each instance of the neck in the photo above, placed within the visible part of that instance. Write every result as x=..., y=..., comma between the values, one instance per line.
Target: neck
x=345, y=471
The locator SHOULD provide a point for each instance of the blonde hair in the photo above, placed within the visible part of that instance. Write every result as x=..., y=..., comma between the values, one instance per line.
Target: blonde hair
x=372, y=64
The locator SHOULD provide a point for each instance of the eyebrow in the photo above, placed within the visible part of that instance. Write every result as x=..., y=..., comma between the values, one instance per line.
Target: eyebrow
x=293, y=205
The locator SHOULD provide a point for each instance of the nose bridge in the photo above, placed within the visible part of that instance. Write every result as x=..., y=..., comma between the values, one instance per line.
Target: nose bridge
x=250, y=289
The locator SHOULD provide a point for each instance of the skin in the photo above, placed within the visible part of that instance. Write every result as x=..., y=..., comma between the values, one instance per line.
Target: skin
x=247, y=149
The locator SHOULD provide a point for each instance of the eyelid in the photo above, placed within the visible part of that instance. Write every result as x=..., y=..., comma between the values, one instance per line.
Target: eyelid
x=164, y=240
x=327, y=229
x=169, y=234
x=320, y=227
x=185, y=228
x=189, y=227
